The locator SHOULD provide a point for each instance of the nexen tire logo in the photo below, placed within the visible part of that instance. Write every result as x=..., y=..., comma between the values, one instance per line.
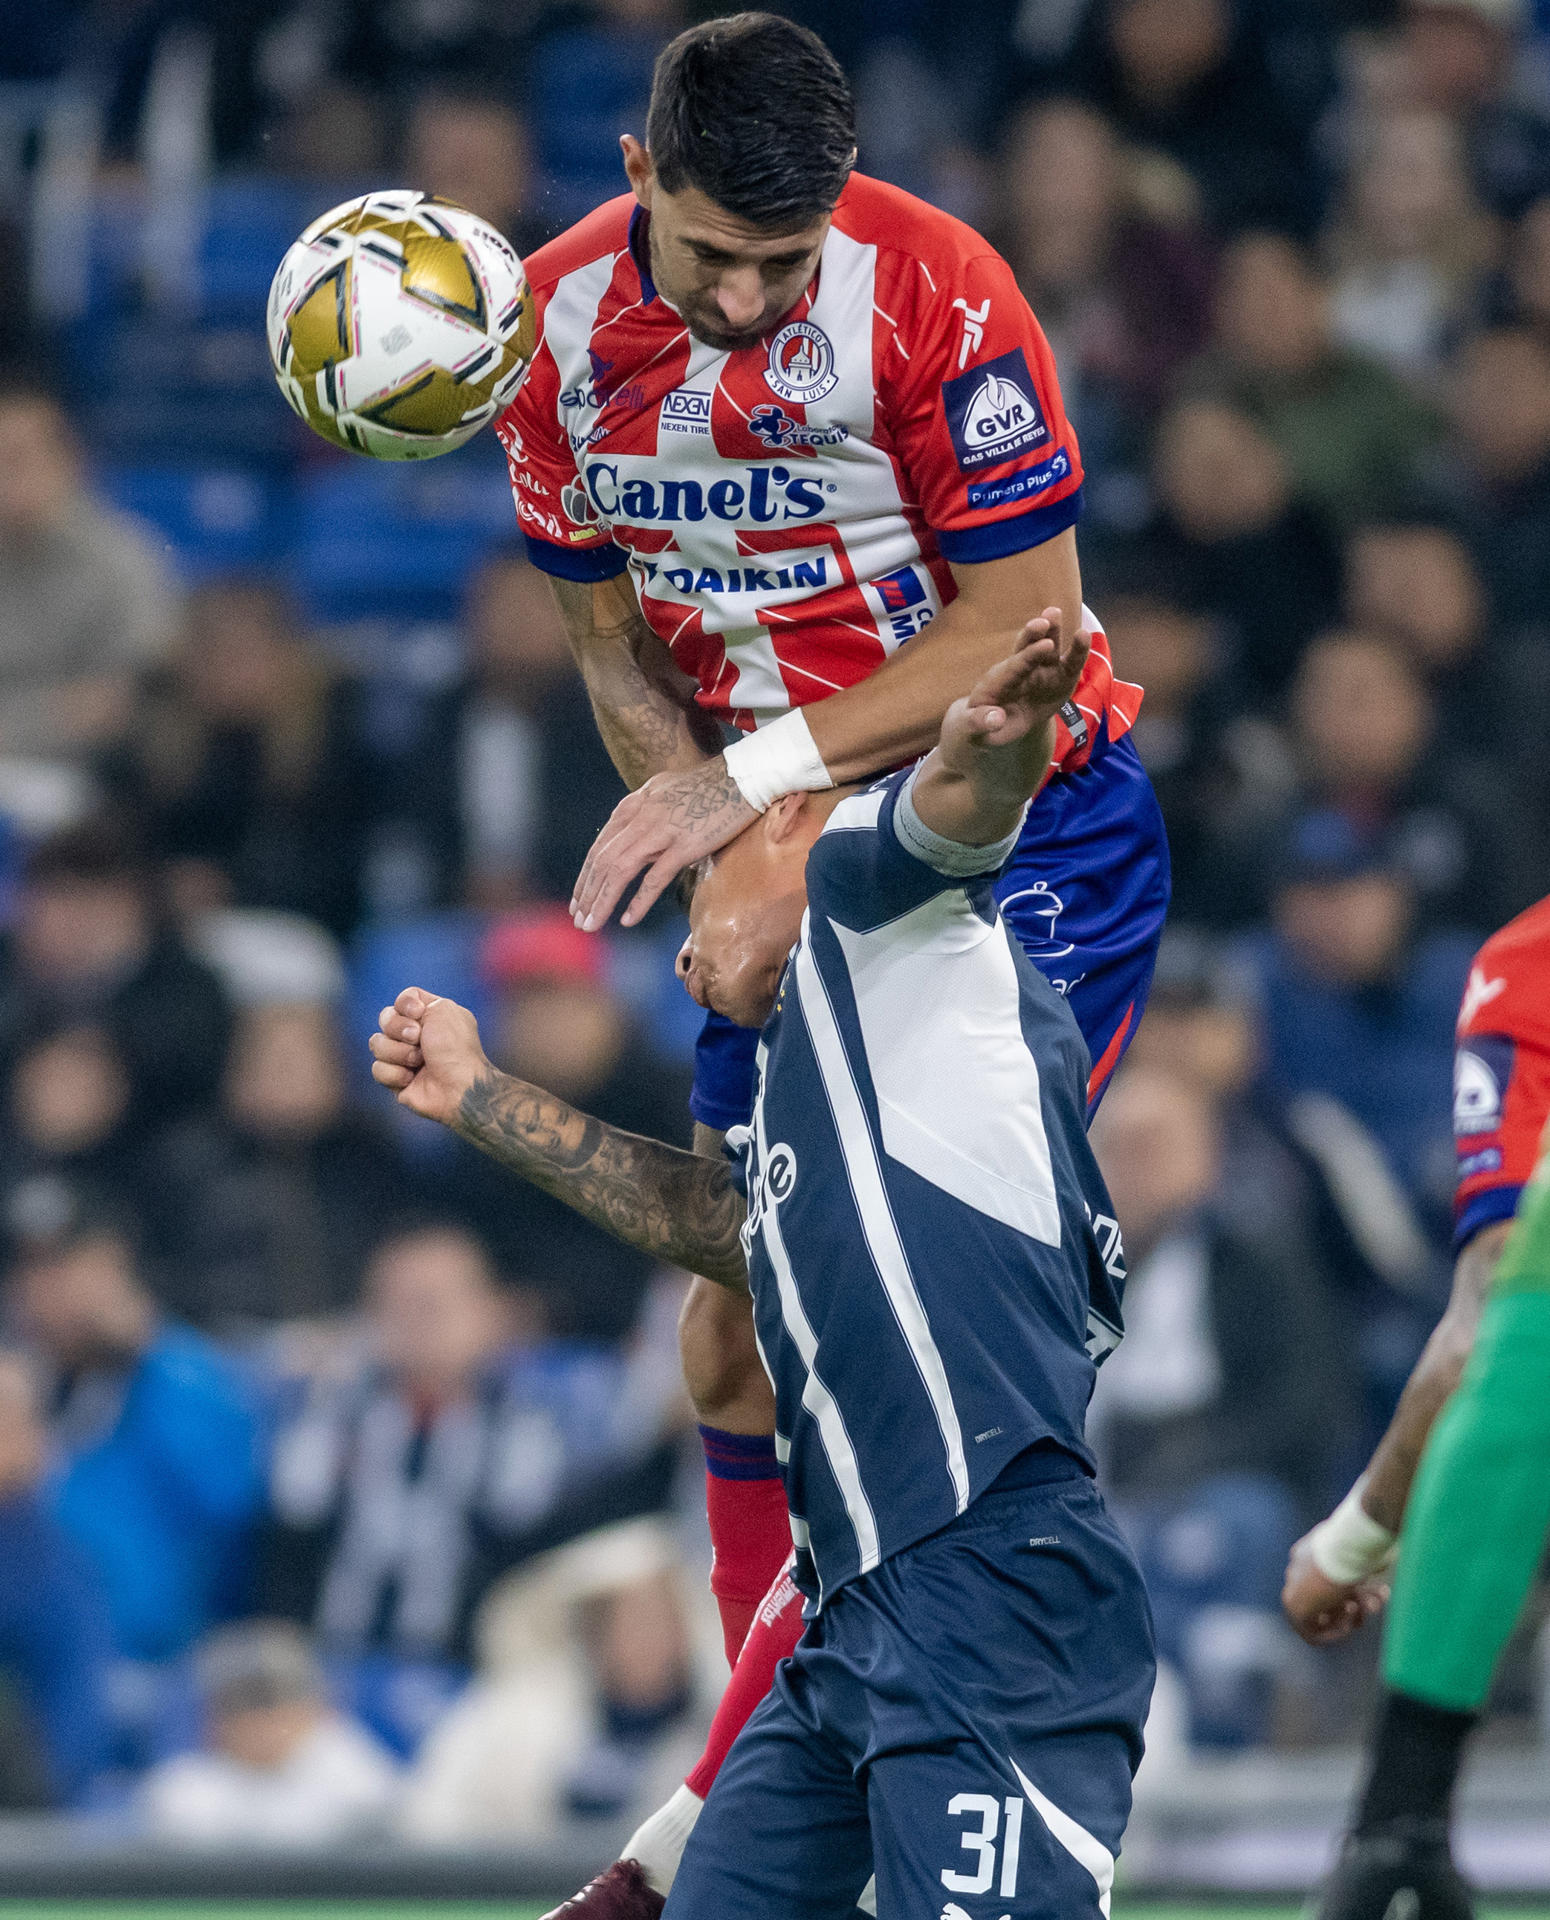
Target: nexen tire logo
x=769, y=493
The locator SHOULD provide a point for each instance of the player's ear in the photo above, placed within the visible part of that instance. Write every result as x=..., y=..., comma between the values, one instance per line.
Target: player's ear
x=782, y=817
x=637, y=168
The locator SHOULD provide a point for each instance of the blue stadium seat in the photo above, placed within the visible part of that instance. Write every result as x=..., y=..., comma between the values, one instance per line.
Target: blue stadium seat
x=168, y=392
x=247, y=226
x=215, y=519
x=379, y=540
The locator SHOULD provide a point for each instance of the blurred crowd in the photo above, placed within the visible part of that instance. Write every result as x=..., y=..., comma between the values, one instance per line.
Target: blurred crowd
x=296, y=1394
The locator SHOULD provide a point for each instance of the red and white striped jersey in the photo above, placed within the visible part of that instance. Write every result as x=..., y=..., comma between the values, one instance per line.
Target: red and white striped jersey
x=788, y=511
x=1501, y=1071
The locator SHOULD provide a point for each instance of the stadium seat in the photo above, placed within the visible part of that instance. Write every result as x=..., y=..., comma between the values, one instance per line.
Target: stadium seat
x=169, y=391
x=214, y=519
x=378, y=540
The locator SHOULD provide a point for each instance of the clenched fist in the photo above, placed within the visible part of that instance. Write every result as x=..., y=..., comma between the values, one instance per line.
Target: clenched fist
x=427, y=1053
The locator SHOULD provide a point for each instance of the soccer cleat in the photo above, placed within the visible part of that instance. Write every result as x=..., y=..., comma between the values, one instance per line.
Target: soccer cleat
x=1405, y=1871
x=620, y=1892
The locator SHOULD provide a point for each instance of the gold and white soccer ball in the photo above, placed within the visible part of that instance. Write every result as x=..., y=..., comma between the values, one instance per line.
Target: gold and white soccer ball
x=399, y=325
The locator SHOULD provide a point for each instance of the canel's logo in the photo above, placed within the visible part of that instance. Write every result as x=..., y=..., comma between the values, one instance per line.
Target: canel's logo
x=801, y=363
x=764, y=494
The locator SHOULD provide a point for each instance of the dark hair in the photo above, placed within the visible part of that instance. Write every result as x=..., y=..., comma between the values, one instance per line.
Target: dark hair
x=94, y=850
x=757, y=113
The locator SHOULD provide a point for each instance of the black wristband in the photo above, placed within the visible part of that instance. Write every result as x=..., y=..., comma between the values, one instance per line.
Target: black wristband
x=1417, y=1750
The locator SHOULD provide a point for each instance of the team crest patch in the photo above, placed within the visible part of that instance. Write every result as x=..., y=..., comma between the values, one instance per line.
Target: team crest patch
x=801, y=367
x=993, y=411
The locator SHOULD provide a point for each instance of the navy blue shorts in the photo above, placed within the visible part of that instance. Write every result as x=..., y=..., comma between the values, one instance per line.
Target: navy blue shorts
x=1085, y=891
x=966, y=1719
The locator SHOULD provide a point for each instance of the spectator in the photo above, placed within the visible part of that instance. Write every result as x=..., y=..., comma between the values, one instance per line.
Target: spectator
x=1365, y=728
x=1500, y=398
x=53, y=1632
x=88, y=947
x=159, y=1480
x=1222, y=777
x=1458, y=57
x=268, y=1211
x=1357, y=1013
x=1411, y=244
x=508, y=782
x=1218, y=1417
x=244, y=763
x=1205, y=84
x=1234, y=526
x=278, y=1766
x=1352, y=434
x=402, y=1485
x=1414, y=582
x=1122, y=295
x=556, y=1020
x=69, y=1110
x=84, y=603
x=474, y=150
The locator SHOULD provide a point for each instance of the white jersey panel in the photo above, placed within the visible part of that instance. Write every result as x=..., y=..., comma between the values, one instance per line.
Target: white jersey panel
x=958, y=1095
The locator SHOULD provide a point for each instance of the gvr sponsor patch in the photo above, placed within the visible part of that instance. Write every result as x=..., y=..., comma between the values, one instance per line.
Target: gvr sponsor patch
x=993, y=411
x=1022, y=485
x=1482, y=1069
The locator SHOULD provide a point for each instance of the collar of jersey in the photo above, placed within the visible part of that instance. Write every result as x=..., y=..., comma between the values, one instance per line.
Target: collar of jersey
x=640, y=250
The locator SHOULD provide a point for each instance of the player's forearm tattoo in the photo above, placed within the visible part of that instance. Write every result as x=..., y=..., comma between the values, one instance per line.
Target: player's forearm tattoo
x=645, y=725
x=678, y=1207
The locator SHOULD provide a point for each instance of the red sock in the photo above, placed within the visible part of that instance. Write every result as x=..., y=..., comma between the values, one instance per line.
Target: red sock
x=750, y=1529
x=777, y=1627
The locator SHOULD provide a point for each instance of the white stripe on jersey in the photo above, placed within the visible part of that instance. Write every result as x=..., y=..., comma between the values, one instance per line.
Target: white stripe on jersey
x=1084, y=1847
x=816, y=1397
x=876, y=1215
x=958, y=1097
x=569, y=321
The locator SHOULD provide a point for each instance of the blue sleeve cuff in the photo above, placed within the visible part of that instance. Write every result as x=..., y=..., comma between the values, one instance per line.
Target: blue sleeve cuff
x=587, y=564
x=1484, y=1210
x=998, y=538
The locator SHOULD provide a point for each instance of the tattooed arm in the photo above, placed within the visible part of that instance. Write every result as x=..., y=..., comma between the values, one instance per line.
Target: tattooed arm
x=676, y=1206
x=642, y=703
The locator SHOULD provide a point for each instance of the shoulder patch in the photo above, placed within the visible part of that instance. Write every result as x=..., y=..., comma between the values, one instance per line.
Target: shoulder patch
x=993, y=411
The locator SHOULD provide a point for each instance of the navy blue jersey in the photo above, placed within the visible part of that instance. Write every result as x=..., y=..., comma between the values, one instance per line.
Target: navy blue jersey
x=933, y=1256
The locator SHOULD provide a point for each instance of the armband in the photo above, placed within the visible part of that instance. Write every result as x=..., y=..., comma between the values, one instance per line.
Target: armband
x=777, y=759
x=1350, y=1545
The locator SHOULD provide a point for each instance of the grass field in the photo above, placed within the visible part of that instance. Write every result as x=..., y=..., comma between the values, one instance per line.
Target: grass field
x=523, y=1910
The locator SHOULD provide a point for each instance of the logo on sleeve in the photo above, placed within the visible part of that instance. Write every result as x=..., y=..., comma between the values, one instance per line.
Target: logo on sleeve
x=1024, y=484
x=993, y=411
x=1481, y=1073
x=801, y=366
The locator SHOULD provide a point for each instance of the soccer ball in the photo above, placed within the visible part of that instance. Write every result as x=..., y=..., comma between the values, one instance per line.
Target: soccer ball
x=400, y=325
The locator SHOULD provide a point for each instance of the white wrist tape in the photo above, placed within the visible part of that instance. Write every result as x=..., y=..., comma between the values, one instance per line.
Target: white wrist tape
x=1350, y=1545
x=780, y=758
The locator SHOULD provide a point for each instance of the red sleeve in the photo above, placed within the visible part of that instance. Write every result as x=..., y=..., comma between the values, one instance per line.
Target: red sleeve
x=562, y=536
x=976, y=414
x=1501, y=1094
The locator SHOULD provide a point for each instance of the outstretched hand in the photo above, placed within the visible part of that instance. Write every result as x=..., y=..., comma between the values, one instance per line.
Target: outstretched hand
x=1324, y=1610
x=672, y=822
x=427, y=1052
x=1018, y=694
